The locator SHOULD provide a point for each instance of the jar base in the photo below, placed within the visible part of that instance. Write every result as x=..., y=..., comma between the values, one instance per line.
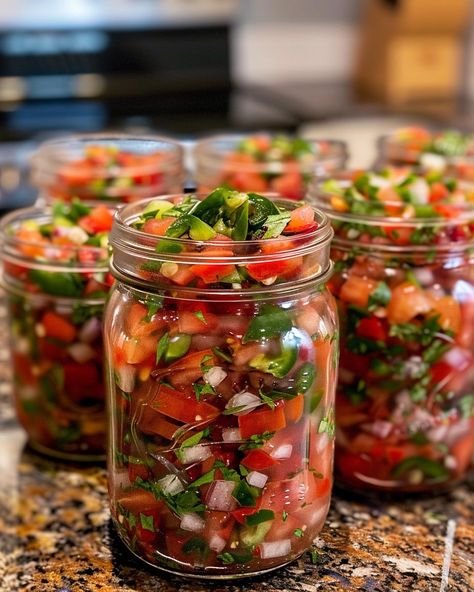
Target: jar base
x=66, y=456
x=207, y=575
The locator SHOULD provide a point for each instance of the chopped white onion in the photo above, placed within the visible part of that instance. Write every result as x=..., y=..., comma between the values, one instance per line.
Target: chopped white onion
x=219, y=497
x=192, y=522
x=381, y=428
x=170, y=485
x=275, y=549
x=81, y=352
x=194, y=454
x=380, y=182
x=231, y=435
x=21, y=344
x=256, y=479
x=63, y=309
x=215, y=376
x=90, y=330
x=125, y=377
x=433, y=161
x=420, y=191
x=76, y=235
x=217, y=543
x=282, y=452
x=457, y=357
x=424, y=276
x=270, y=281
x=245, y=401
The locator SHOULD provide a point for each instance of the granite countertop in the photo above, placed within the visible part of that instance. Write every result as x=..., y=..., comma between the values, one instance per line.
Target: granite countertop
x=56, y=534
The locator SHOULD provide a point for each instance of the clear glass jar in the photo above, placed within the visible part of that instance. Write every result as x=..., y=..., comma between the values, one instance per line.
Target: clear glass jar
x=107, y=167
x=55, y=298
x=451, y=152
x=221, y=400
x=264, y=163
x=405, y=293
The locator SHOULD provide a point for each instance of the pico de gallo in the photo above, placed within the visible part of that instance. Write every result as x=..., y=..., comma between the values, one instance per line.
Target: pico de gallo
x=222, y=422
x=121, y=169
x=450, y=151
x=56, y=279
x=403, y=283
x=264, y=163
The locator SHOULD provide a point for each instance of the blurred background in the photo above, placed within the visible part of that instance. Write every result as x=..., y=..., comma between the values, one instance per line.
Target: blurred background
x=352, y=69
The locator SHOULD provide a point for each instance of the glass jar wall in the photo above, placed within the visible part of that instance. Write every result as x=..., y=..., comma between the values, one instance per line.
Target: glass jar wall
x=264, y=163
x=117, y=167
x=404, y=286
x=55, y=292
x=221, y=394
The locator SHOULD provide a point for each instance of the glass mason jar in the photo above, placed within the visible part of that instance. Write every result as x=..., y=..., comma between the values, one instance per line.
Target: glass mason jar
x=405, y=292
x=221, y=399
x=55, y=296
x=451, y=152
x=263, y=163
x=118, y=168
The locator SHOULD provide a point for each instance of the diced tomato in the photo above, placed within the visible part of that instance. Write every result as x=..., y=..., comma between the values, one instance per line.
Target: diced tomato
x=289, y=494
x=391, y=200
x=447, y=210
x=78, y=172
x=350, y=465
x=448, y=311
x=179, y=406
x=137, y=323
x=175, y=540
x=356, y=290
x=158, y=227
x=262, y=420
x=406, y=303
x=82, y=381
x=438, y=191
x=137, y=470
x=138, y=350
x=243, y=181
x=211, y=274
x=152, y=422
x=199, y=322
x=302, y=220
x=280, y=268
x=241, y=514
x=440, y=371
x=57, y=327
x=257, y=459
x=102, y=218
x=372, y=328
x=294, y=408
x=139, y=500
x=289, y=184
x=184, y=276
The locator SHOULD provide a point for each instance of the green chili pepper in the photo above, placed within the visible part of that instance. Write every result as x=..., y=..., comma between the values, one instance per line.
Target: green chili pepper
x=430, y=468
x=280, y=365
x=177, y=347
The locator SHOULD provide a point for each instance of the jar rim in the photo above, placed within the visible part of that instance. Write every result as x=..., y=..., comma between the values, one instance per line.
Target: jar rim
x=125, y=239
x=211, y=150
x=11, y=245
x=57, y=152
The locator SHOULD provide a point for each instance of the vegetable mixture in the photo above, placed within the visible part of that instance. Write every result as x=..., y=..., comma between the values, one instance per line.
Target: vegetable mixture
x=55, y=272
x=223, y=427
x=105, y=172
x=403, y=283
x=264, y=164
x=450, y=150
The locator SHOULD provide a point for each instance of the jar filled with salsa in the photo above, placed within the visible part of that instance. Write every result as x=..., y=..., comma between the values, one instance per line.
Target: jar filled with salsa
x=118, y=168
x=265, y=163
x=449, y=151
x=403, y=252
x=56, y=279
x=222, y=351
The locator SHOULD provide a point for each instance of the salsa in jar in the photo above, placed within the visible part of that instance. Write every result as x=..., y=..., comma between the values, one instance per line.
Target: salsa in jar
x=221, y=390
x=55, y=274
x=403, y=252
x=449, y=151
x=118, y=168
x=264, y=163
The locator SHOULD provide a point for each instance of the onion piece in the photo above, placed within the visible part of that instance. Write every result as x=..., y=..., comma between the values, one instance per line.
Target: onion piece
x=381, y=429
x=90, y=330
x=275, y=549
x=257, y=479
x=125, y=377
x=244, y=401
x=457, y=357
x=217, y=543
x=192, y=522
x=215, y=376
x=170, y=485
x=219, y=496
x=231, y=435
x=194, y=454
x=282, y=452
x=420, y=191
x=81, y=352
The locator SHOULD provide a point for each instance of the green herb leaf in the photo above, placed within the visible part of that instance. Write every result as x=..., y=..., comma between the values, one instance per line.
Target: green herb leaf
x=147, y=522
x=245, y=494
x=284, y=516
x=271, y=322
x=380, y=296
x=257, y=441
x=260, y=516
x=195, y=544
x=162, y=347
x=298, y=533
x=275, y=224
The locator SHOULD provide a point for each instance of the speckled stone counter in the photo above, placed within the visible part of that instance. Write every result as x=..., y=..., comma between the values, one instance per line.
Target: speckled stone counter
x=56, y=534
